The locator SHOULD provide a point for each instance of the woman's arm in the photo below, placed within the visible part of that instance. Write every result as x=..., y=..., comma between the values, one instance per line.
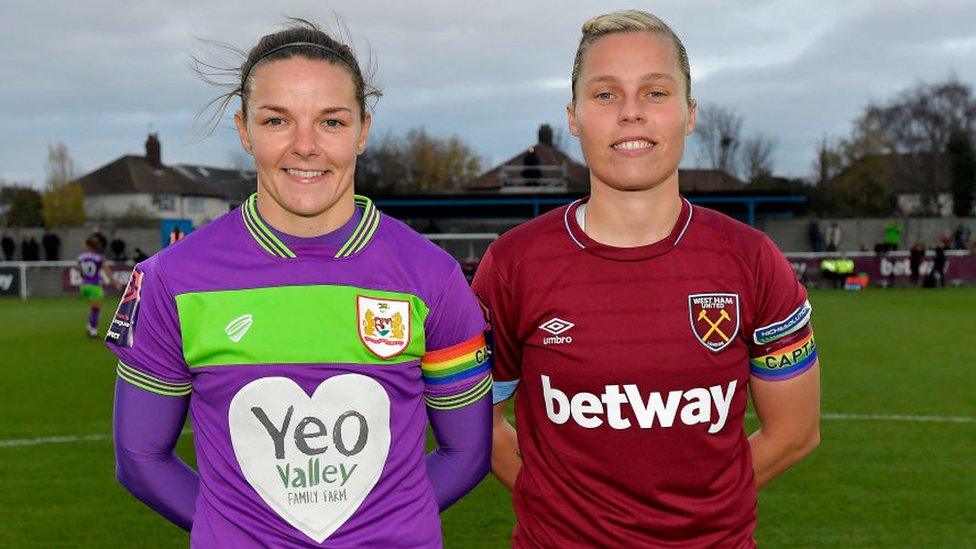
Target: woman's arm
x=505, y=457
x=463, y=449
x=146, y=429
x=789, y=413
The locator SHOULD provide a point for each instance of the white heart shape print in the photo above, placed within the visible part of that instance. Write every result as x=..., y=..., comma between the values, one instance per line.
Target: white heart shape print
x=312, y=459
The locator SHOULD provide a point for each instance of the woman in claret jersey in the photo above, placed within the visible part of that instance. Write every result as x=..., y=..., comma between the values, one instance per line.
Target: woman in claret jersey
x=311, y=337
x=631, y=327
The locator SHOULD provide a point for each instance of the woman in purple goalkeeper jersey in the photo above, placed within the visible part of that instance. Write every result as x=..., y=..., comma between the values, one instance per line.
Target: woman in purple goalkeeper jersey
x=91, y=265
x=311, y=337
x=632, y=327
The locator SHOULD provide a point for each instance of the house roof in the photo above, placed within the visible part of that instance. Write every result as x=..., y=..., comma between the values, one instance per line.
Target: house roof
x=708, y=181
x=576, y=174
x=134, y=174
x=235, y=185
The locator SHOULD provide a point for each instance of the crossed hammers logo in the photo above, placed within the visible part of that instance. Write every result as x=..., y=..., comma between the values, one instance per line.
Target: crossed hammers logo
x=723, y=316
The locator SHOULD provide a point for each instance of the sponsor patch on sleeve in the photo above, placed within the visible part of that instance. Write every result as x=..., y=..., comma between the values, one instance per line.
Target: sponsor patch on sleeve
x=786, y=362
x=791, y=324
x=122, y=330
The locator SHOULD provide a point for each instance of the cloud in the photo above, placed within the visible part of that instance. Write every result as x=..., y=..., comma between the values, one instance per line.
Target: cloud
x=96, y=77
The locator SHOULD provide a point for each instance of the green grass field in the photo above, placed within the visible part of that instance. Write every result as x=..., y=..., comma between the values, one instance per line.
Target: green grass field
x=874, y=482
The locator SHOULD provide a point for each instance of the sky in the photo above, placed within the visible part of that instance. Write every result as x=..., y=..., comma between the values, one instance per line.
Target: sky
x=98, y=77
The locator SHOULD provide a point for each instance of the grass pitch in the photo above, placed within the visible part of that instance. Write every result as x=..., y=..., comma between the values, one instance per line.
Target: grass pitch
x=875, y=480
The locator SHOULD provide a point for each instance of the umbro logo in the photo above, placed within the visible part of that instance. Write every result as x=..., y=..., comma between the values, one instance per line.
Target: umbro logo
x=239, y=327
x=556, y=326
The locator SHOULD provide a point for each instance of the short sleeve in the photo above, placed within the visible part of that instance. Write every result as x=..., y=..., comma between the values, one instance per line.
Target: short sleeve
x=456, y=365
x=493, y=291
x=782, y=344
x=145, y=335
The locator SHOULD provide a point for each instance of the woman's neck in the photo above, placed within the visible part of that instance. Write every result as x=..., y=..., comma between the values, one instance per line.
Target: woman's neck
x=306, y=226
x=627, y=219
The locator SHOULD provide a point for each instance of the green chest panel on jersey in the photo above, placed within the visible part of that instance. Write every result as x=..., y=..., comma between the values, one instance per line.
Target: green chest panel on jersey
x=301, y=325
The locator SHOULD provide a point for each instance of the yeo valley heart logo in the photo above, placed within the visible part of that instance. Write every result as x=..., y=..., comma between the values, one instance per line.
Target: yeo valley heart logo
x=313, y=460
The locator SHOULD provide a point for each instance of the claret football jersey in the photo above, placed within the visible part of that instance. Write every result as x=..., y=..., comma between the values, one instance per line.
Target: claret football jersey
x=630, y=370
x=310, y=367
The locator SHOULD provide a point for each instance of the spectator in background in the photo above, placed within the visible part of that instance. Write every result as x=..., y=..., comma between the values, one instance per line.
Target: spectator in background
x=915, y=256
x=175, y=236
x=139, y=256
x=8, y=246
x=30, y=250
x=833, y=237
x=815, y=235
x=97, y=235
x=961, y=236
x=52, y=245
x=938, y=266
x=893, y=235
x=531, y=171
x=118, y=247
x=946, y=241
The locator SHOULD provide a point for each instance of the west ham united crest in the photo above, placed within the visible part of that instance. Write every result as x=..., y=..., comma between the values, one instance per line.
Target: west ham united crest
x=384, y=325
x=714, y=319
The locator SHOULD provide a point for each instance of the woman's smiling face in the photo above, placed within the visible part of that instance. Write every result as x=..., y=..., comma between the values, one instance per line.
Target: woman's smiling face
x=304, y=128
x=631, y=113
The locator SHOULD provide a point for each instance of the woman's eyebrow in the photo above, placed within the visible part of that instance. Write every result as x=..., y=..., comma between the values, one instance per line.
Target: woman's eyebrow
x=284, y=110
x=607, y=78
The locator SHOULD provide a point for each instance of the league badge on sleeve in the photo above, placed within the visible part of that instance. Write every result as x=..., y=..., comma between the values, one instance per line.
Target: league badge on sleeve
x=714, y=319
x=384, y=325
x=122, y=330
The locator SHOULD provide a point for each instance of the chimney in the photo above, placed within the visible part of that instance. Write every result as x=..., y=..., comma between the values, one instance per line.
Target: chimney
x=545, y=134
x=154, y=153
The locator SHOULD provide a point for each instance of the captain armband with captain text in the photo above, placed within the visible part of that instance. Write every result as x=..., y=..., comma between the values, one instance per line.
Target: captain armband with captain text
x=784, y=350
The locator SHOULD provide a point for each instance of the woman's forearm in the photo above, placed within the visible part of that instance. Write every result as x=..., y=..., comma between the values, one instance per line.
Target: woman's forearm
x=146, y=429
x=463, y=447
x=506, y=461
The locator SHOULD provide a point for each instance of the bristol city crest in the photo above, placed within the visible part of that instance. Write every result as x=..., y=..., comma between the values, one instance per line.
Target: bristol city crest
x=714, y=319
x=384, y=325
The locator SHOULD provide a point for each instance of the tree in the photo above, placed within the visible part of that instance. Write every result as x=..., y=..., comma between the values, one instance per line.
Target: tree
x=718, y=130
x=859, y=191
x=416, y=163
x=63, y=198
x=914, y=131
x=829, y=160
x=24, y=205
x=381, y=169
x=757, y=158
x=962, y=172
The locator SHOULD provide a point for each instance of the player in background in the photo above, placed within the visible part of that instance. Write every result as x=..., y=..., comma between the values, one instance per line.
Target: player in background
x=631, y=328
x=311, y=337
x=91, y=265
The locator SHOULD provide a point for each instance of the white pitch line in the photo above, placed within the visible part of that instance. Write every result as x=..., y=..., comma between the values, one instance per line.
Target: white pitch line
x=896, y=417
x=899, y=417
x=59, y=440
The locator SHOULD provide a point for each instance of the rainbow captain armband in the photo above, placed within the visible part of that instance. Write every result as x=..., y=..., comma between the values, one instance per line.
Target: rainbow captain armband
x=788, y=361
x=458, y=375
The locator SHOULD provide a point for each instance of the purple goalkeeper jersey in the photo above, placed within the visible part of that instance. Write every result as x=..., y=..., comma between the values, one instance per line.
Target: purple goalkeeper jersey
x=310, y=368
x=90, y=265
